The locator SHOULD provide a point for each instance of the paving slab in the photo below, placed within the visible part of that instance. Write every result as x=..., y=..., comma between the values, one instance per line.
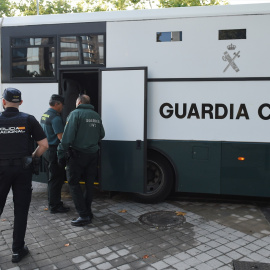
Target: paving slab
x=212, y=236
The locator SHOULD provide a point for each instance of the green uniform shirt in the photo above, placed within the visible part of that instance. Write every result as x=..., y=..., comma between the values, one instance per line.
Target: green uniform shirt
x=83, y=131
x=52, y=125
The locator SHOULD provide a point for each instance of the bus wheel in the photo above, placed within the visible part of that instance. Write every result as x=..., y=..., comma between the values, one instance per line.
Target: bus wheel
x=160, y=178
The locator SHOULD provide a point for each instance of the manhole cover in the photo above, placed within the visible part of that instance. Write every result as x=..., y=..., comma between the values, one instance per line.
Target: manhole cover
x=162, y=219
x=237, y=265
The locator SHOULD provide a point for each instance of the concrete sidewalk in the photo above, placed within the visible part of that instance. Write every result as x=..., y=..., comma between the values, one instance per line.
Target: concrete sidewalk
x=212, y=236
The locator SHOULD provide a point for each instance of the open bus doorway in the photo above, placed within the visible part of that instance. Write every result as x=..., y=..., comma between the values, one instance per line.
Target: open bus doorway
x=73, y=84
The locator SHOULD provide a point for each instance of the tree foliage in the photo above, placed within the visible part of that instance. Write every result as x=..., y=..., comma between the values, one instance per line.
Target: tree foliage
x=189, y=3
x=29, y=7
x=5, y=9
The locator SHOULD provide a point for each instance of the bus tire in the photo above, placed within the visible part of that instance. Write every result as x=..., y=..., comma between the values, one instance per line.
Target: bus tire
x=160, y=179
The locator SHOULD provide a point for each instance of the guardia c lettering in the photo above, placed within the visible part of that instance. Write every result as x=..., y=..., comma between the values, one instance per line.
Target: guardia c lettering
x=207, y=110
x=261, y=115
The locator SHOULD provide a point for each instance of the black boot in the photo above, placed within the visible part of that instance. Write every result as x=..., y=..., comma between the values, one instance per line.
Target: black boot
x=81, y=221
x=18, y=256
x=60, y=209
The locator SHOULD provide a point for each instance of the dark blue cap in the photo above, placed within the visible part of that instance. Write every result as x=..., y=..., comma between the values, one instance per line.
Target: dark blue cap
x=12, y=95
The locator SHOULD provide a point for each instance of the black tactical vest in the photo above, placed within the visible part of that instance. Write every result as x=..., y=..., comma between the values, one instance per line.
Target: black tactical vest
x=15, y=136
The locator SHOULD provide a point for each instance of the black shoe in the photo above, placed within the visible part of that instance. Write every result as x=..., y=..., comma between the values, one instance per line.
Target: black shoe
x=17, y=256
x=81, y=221
x=60, y=209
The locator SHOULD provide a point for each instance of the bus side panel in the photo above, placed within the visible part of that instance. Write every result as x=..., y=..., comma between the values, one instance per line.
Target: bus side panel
x=193, y=119
x=35, y=96
x=196, y=164
x=209, y=111
x=199, y=54
x=249, y=177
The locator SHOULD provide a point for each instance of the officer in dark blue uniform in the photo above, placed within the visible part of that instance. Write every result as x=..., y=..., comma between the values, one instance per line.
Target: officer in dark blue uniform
x=52, y=124
x=17, y=132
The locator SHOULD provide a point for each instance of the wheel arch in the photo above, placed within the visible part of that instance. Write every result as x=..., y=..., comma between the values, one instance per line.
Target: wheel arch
x=160, y=178
x=161, y=153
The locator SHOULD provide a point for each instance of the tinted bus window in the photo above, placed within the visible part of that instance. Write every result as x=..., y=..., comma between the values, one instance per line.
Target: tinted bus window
x=232, y=34
x=82, y=50
x=33, y=57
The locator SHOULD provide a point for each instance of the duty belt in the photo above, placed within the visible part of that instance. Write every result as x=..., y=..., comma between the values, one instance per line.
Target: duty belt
x=11, y=162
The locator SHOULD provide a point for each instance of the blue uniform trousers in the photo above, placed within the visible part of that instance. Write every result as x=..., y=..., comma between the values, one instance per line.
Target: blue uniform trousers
x=14, y=176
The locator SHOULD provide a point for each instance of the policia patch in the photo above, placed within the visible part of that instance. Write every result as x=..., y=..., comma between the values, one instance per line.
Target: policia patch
x=12, y=130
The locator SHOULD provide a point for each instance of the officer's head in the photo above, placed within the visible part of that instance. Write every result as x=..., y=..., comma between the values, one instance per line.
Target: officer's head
x=56, y=102
x=12, y=97
x=82, y=99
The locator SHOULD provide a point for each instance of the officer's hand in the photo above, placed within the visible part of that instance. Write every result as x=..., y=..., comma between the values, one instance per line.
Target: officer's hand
x=62, y=162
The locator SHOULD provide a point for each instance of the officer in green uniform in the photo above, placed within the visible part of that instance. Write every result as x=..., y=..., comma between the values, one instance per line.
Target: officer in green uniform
x=82, y=133
x=53, y=127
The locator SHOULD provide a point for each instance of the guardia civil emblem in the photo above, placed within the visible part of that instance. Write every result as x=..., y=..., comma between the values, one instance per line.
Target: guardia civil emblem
x=231, y=59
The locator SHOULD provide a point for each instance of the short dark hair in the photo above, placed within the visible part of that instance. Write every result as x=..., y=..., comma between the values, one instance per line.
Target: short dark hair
x=57, y=98
x=54, y=102
x=84, y=99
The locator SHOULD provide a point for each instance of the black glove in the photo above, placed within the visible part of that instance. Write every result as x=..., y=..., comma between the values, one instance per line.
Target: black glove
x=27, y=162
x=62, y=162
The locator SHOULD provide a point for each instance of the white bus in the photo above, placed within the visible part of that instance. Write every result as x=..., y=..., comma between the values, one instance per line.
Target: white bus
x=184, y=93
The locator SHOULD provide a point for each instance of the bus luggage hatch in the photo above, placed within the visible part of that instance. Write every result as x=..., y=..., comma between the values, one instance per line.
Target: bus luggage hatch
x=123, y=112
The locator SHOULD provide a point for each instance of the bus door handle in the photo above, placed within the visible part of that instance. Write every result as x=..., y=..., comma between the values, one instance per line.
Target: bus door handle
x=138, y=144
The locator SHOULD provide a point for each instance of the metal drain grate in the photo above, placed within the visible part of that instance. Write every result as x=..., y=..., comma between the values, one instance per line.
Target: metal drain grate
x=239, y=265
x=162, y=219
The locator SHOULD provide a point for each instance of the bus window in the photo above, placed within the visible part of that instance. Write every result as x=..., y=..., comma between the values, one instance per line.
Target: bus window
x=232, y=34
x=33, y=57
x=82, y=50
x=169, y=36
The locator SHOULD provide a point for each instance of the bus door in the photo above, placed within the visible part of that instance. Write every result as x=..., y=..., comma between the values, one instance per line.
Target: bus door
x=123, y=111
